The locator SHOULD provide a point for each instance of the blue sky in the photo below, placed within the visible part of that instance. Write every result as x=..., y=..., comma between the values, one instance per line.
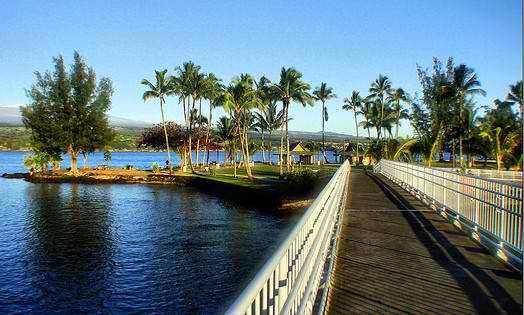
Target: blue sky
x=344, y=43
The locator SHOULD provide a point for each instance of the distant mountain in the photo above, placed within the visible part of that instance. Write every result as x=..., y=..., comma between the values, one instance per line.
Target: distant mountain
x=10, y=116
x=307, y=136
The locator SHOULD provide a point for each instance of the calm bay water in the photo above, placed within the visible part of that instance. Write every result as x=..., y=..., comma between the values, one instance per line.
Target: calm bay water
x=12, y=161
x=104, y=248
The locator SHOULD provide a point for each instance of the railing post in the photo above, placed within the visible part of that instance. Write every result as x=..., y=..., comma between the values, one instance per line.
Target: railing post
x=503, y=214
x=283, y=268
x=477, y=203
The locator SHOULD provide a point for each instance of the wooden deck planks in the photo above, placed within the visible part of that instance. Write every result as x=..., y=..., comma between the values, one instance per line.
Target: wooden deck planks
x=393, y=261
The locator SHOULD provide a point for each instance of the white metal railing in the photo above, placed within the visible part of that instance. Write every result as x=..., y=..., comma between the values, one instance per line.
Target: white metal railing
x=288, y=282
x=490, y=174
x=490, y=207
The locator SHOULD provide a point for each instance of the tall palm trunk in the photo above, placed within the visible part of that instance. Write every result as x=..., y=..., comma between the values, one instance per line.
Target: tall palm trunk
x=358, y=144
x=262, y=145
x=323, y=140
x=282, y=145
x=398, y=120
x=270, y=151
x=190, y=138
x=165, y=133
x=208, y=131
x=460, y=135
x=199, y=125
x=246, y=147
x=381, y=116
x=184, y=149
x=288, y=164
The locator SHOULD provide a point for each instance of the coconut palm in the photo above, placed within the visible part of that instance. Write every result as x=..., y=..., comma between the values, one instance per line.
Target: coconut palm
x=322, y=94
x=515, y=96
x=501, y=144
x=380, y=89
x=239, y=99
x=366, y=110
x=184, y=86
x=354, y=104
x=271, y=120
x=397, y=96
x=226, y=136
x=261, y=124
x=161, y=90
x=213, y=90
x=465, y=83
x=502, y=131
x=289, y=88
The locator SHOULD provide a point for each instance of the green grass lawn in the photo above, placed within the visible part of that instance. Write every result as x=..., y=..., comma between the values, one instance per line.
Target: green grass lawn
x=266, y=176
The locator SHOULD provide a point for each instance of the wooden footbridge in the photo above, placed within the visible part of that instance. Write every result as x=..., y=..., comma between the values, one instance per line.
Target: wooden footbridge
x=399, y=239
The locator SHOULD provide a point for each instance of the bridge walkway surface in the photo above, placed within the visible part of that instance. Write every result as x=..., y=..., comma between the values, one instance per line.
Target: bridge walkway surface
x=396, y=256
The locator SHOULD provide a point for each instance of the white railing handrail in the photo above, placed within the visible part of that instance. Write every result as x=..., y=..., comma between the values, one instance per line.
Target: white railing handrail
x=491, y=210
x=298, y=241
x=478, y=173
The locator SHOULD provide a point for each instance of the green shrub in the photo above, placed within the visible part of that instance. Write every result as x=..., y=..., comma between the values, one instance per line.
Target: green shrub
x=129, y=167
x=301, y=179
x=212, y=171
x=155, y=167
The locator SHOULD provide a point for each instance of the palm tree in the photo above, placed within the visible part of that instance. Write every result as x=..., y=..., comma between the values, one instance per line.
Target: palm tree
x=271, y=120
x=261, y=125
x=163, y=88
x=354, y=104
x=515, y=96
x=397, y=96
x=366, y=110
x=239, y=99
x=225, y=135
x=183, y=83
x=264, y=94
x=213, y=90
x=380, y=89
x=501, y=144
x=501, y=129
x=289, y=88
x=191, y=87
x=323, y=93
x=465, y=83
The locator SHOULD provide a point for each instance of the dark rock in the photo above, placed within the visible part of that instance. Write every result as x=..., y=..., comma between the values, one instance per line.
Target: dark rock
x=15, y=175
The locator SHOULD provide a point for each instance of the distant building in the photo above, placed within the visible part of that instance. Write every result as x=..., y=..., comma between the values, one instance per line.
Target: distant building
x=300, y=154
x=350, y=153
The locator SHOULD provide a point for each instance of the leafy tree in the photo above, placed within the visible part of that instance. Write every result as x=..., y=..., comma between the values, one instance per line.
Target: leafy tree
x=67, y=112
x=161, y=90
x=322, y=94
x=177, y=134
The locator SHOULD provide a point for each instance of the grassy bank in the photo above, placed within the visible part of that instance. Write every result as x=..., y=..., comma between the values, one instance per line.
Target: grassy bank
x=265, y=190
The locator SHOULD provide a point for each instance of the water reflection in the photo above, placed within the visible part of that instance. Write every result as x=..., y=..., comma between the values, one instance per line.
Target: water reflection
x=69, y=239
x=72, y=248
